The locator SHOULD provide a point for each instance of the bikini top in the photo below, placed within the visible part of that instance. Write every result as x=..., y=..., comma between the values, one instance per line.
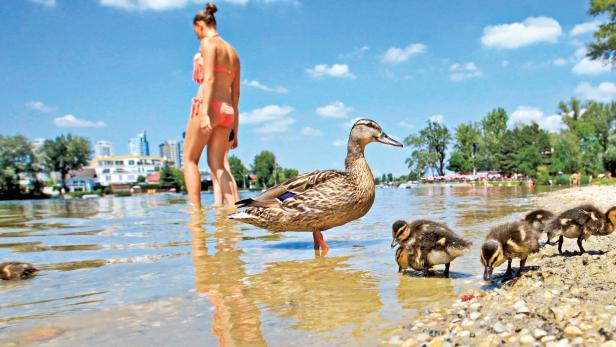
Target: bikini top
x=198, y=68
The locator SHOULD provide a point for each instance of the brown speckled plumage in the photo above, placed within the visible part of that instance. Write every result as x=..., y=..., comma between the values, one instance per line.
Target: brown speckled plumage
x=17, y=271
x=319, y=200
x=581, y=222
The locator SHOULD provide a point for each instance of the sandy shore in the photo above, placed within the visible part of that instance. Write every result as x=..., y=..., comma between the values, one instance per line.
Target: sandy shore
x=563, y=300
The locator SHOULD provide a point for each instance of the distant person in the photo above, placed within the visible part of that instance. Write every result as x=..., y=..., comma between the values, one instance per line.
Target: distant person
x=214, y=113
x=574, y=179
x=590, y=179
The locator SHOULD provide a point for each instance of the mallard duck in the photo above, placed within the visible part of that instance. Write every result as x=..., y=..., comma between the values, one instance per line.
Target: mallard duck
x=505, y=242
x=17, y=271
x=320, y=200
x=581, y=222
x=539, y=219
x=428, y=244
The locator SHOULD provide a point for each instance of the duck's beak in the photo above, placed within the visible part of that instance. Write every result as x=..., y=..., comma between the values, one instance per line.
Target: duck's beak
x=487, y=274
x=394, y=243
x=384, y=138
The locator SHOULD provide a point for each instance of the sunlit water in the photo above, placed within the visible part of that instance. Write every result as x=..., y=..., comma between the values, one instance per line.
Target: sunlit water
x=143, y=270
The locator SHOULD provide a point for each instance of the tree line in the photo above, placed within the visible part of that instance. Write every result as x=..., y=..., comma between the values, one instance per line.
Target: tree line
x=586, y=143
x=267, y=171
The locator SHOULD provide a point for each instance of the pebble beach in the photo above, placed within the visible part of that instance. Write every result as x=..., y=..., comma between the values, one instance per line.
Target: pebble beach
x=562, y=300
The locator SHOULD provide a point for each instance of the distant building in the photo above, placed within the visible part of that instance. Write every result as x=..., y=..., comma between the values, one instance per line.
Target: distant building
x=125, y=168
x=103, y=149
x=170, y=150
x=84, y=180
x=139, y=145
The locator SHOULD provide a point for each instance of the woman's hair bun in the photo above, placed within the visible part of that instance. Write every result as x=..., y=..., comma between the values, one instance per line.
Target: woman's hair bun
x=210, y=8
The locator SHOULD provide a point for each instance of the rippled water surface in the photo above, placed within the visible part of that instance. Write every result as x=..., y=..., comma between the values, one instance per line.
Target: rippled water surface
x=142, y=270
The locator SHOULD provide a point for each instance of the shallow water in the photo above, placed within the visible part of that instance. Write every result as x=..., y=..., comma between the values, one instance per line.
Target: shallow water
x=142, y=270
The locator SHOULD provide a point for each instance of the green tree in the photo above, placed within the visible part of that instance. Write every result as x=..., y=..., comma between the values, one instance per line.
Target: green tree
x=65, y=153
x=238, y=170
x=430, y=146
x=16, y=158
x=467, y=142
x=523, y=149
x=604, y=46
x=264, y=167
x=610, y=154
x=566, y=158
x=493, y=127
x=286, y=174
x=171, y=177
x=141, y=179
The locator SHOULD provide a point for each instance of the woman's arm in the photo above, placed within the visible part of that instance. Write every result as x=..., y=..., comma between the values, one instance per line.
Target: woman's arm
x=235, y=95
x=208, y=52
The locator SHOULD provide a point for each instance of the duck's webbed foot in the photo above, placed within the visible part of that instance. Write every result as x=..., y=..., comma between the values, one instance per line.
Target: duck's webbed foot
x=446, y=273
x=522, y=264
x=319, y=243
x=560, y=244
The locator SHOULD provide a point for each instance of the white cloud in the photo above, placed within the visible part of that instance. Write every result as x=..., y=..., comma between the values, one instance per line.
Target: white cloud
x=339, y=143
x=397, y=55
x=335, y=70
x=584, y=28
x=438, y=118
x=46, y=3
x=527, y=115
x=405, y=124
x=163, y=5
x=604, y=92
x=70, y=121
x=586, y=66
x=40, y=106
x=514, y=35
x=308, y=131
x=279, y=126
x=263, y=87
x=464, y=71
x=265, y=114
x=560, y=62
x=336, y=109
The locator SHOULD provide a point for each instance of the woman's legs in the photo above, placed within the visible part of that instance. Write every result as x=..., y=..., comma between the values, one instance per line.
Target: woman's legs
x=195, y=140
x=216, y=150
x=236, y=196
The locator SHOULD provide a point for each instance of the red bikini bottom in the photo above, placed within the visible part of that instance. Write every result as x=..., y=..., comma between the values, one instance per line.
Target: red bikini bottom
x=224, y=112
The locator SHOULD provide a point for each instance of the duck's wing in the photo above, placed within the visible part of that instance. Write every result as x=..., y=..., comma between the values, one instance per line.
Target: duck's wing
x=277, y=195
x=441, y=237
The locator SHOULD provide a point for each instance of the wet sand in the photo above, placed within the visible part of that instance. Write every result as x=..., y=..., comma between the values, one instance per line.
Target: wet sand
x=562, y=300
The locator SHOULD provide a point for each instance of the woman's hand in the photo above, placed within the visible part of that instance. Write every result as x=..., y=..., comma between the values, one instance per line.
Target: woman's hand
x=206, y=123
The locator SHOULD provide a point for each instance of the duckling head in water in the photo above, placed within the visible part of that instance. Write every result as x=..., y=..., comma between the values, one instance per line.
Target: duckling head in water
x=17, y=271
x=400, y=232
x=491, y=257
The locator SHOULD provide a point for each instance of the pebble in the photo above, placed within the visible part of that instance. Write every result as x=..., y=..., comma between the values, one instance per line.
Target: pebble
x=526, y=340
x=475, y=315
x=498, y=328
x=611, y=343
x=466, y=323
x=395, y=340
x=577, y=341
x=409, y=343
x=613, y=322
x=437, y=342
x=464, y=333
x=539, y=333
x=572, y=331
x=475, y=306
x=548, y=338
x=520, y=307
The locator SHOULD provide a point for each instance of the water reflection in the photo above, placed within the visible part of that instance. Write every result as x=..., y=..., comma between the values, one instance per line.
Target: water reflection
x=221, y=276
x=418, y=292
x=320, y=295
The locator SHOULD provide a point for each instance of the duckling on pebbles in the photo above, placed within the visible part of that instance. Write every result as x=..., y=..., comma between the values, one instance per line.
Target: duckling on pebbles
x=581, y=222
x=17, y=271
x=505, y=242
x=424, y=244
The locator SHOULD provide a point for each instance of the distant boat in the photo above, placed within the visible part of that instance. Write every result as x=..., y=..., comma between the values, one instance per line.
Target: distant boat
x=90, y=196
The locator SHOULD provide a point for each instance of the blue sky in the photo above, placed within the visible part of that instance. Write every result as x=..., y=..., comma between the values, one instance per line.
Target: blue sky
x=106, y=69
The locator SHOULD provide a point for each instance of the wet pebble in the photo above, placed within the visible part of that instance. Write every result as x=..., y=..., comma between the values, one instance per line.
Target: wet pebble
x=498, y=328
x=573, y=331
x=474, y=315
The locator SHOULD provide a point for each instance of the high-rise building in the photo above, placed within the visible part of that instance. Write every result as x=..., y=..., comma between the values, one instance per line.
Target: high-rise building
x=170, y=150
x=103, y=149
x=139, y=145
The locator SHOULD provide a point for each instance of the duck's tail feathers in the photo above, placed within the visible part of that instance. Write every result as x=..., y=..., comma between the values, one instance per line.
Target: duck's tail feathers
x=240, y=216
x=244, y=202
x=459, y=248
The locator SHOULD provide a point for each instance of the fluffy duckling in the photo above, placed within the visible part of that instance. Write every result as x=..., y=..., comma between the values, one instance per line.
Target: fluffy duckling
x=426, y=244
x=17, y=271
x=539, y=219
x=402, y=258
x=581, y=222
x=505, y=242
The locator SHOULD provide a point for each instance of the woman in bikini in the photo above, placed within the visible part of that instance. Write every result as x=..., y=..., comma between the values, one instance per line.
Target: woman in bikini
x=214, y=113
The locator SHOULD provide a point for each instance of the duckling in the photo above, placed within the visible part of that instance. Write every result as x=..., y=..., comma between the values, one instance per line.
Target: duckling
x=581, y=222
x=427, y=244
x=402, y=258
x=538, y=220
x=17, y=271
x=505, y=242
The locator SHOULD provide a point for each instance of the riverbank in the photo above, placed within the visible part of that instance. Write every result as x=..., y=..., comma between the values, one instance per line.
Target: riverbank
x=561, y=301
